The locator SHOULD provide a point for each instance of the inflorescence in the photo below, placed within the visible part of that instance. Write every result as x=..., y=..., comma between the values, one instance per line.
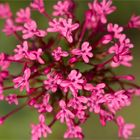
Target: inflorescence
x=68, y=68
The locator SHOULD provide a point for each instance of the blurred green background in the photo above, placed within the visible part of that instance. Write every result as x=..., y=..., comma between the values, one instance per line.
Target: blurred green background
x=17, y=127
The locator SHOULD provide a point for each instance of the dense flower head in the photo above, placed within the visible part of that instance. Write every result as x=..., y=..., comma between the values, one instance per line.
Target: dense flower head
x=68, y=69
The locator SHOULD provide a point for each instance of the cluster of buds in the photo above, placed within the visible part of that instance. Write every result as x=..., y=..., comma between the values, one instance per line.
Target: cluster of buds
x=69, y=75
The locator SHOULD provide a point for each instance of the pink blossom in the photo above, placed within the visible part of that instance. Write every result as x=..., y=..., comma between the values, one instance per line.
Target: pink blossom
x=64, y=114
x=125, y=129
x=78, y=103
x=5, y=11
x=3, y=75
x=81, y=115
x=74, y=132
x=95, y=101
x=119, y=51
x=117, y=101
x=134, y=22
x=124, y=60
x=41, y=129
x=10, y=28
x=64, y=27
x=44, y=106
x=36, y=55
x=38, y=5
x=92, y=19
x=23, y=15
x=22, y=51
x=30, y=30
x=103, y=9
x=105, y=116
x=58, y=53
x=23, y=81
x=116, y=29
x=4, y=64
x=52, y=81
x=85, y=52
x=12, y=98
x=62, y=8
x=74, y=82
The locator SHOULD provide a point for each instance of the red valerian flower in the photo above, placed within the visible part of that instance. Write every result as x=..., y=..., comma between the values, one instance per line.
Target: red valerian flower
x=38, y=5
x=24, y=15
x=85, y=52
x=30, y=30
x=23, y=81
x=41, y=129
x=64, y=27
x=125, y=129
x=5, y=11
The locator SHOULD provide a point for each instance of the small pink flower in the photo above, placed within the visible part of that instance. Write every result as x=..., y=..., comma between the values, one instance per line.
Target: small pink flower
x=64, y=27
x=78, y=103
x=116, y=29
x=62, y=8
x=12, y=98
x=41, y=129
x=134, y=22
x=10, y=28
x=74, y=82
x=30, y=30
x=38, y=5
x=125, y=129
x=58, y=53
x=5, y=11
x=3, y=75
x=81, y=115
x=117, y=101
x=103, y=9
x=95, y=101
x=36, y=55
x=124, y=60
x=91, y=18
x=52, y=81
x=85, y=52
x=23, y=15
x=4, y=64
x=64, y=114
x=22, y=51
x=44, y=106
x=23, y=81
x=74, y=132
x=105, y=116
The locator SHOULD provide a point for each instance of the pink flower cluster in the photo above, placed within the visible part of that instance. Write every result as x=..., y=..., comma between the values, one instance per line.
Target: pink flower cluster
x=70, y=74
